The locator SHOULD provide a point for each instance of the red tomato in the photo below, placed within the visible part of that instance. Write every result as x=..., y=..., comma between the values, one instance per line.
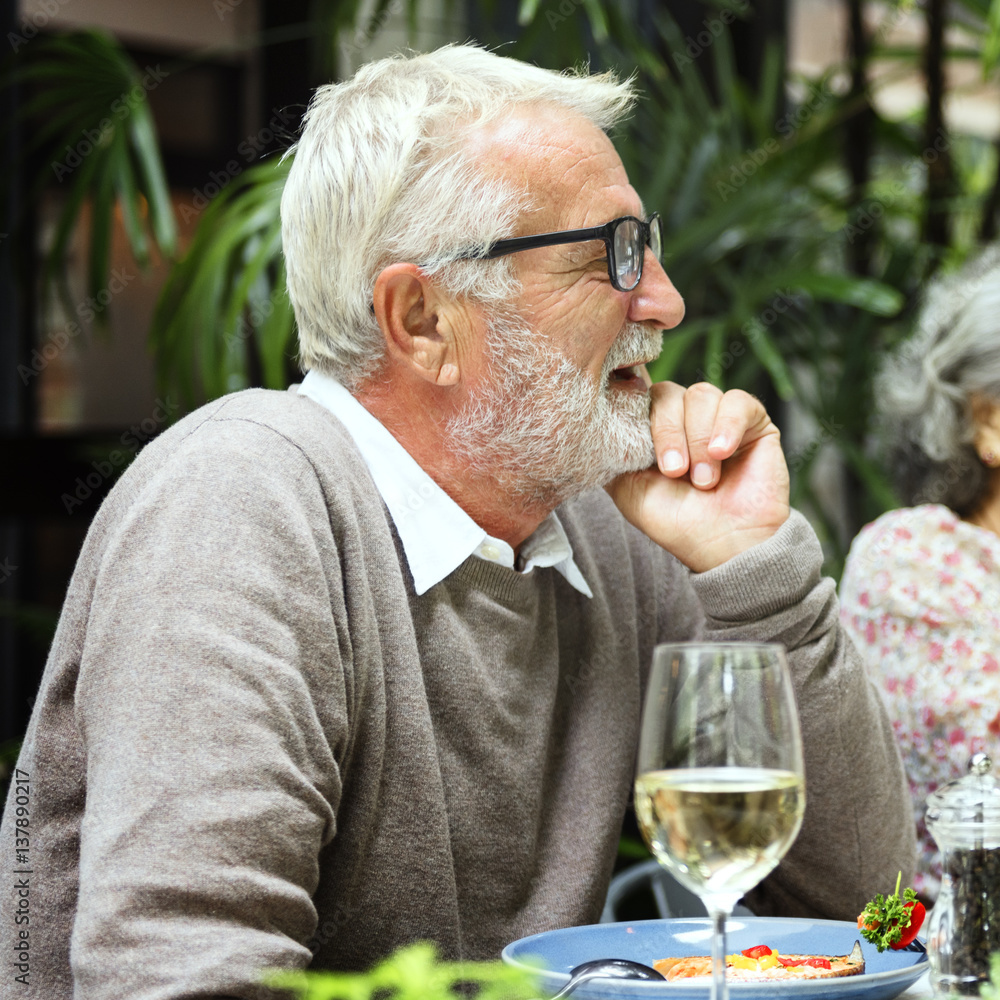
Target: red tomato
x=757, y=951
x=917, y=914
x=816, y=963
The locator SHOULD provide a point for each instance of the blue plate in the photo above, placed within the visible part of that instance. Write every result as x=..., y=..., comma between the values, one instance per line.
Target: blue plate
x=885, y=976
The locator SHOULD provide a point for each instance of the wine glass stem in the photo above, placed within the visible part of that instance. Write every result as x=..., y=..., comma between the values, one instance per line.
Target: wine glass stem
x=719, y=989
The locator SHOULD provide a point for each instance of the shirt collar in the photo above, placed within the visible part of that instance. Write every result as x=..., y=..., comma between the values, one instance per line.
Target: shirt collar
x=436, y=533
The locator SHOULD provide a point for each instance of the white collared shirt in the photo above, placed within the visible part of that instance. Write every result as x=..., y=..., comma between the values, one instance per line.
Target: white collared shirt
x=436, y=534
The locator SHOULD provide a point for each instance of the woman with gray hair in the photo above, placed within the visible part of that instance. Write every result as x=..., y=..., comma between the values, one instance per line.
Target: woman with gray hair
x=921, y=589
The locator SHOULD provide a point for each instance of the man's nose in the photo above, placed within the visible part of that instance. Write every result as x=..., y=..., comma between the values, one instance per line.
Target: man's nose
x=654, y=299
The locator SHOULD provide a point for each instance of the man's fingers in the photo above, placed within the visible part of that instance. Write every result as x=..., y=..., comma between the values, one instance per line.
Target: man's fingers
x=739, y=419
x=667, y=424
x=696, y=429
x=701, y=407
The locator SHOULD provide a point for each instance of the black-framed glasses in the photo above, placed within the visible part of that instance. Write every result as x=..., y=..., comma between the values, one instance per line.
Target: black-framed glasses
x=626, y=240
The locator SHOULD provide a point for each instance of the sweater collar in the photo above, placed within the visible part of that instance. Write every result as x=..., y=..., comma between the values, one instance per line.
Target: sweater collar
x=437, y=535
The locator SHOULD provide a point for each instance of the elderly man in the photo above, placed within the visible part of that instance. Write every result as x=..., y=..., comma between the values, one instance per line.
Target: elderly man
x=334, y=674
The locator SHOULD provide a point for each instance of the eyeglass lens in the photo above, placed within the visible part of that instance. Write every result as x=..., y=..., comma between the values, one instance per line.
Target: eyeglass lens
x=630, y=248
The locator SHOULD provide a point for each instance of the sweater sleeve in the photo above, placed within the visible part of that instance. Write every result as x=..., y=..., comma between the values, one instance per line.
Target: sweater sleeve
x=858, y=829
x=212, y=707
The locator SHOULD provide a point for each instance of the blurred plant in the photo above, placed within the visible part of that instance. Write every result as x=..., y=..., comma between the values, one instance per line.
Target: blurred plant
x=92, y=129
x=800, y=264
x=37, y=623
x=991, y=990
x=739, y=181
x=800, y=226
x=755, y=205
x=413, y=972
x=632, y=849
x=223, y=320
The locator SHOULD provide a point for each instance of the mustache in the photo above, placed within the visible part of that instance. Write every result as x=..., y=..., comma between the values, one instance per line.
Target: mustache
x=635, y=344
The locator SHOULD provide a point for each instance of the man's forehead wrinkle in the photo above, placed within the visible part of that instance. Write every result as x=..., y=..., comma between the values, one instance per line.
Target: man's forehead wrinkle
x=568, y=168
x=587, y=164
x=580, y=187
x=518, y=136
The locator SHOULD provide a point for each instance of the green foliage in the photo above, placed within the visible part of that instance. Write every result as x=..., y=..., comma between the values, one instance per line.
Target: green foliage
x=991, y=990
x=38, y=623
x=93, y=131
x=748, y=227
x=991, y=47
x=757, y=213
x=764, y=223
x=224, y=316
x=413, y=973
x=632, y=849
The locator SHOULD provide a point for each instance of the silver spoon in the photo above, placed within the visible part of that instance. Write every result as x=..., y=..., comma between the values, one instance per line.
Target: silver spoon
x=606, y=968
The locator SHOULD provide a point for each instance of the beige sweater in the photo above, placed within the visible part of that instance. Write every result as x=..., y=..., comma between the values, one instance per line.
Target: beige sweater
x=254, y=746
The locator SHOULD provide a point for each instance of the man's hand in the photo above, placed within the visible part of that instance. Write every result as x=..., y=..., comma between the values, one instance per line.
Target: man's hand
x=722, y=482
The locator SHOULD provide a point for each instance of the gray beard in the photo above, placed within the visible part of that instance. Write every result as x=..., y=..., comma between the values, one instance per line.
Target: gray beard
x=544, y=429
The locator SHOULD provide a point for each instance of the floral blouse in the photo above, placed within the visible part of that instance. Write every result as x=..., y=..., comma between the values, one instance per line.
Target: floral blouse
x=921, y=597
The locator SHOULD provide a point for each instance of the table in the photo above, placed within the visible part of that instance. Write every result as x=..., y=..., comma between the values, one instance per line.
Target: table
x=920, y=990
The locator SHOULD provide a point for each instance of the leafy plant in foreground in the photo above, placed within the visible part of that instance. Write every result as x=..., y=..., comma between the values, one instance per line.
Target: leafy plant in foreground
x=413, y=972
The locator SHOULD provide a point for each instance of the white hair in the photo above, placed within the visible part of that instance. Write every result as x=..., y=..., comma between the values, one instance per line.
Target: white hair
x=925, y=389
x=543, y=429
x=381, y=174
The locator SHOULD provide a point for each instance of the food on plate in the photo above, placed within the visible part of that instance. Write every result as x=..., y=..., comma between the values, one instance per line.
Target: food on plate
x=763, y=964
x=892, y=922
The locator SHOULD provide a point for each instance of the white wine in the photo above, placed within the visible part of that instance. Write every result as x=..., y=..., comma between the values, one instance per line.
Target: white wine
x=719, y=830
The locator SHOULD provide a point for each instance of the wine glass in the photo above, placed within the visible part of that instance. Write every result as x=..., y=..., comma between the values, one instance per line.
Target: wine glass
x=720, y=790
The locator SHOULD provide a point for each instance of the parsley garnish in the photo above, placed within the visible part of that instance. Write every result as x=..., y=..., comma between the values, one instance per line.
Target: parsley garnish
x=884, y=919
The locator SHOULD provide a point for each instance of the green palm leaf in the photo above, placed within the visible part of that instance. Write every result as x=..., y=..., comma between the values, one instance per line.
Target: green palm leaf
x=89, y=117
x=224, y=311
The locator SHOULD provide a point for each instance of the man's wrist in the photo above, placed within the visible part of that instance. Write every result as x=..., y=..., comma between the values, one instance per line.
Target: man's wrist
x=733, y=545
x=766, y=578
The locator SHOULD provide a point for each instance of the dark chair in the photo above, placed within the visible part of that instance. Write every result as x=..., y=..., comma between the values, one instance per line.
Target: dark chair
x=670, y=898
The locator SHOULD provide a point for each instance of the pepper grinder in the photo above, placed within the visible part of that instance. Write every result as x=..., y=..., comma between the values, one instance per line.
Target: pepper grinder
x=963, y=817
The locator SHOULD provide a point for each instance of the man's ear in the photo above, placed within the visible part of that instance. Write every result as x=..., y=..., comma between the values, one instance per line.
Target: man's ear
x=407, y=306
